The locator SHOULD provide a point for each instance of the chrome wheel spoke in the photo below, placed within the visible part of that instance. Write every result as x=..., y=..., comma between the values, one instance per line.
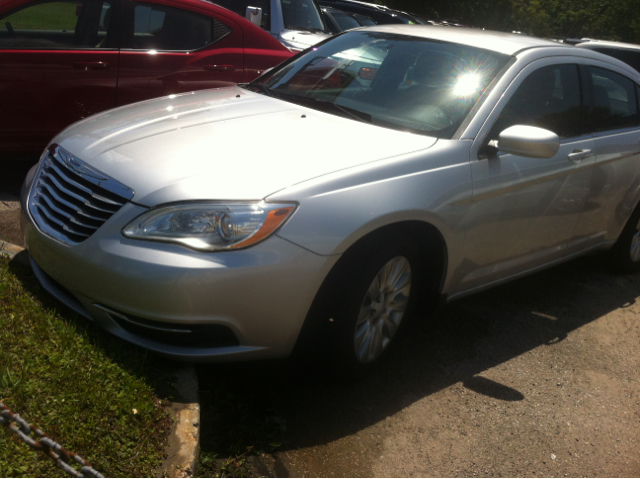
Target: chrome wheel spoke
x=365, y=314
x=374, y=289
x=390, y=326
x=394, y=272
x=376, y=342
x=635, y=246
x=364, y=345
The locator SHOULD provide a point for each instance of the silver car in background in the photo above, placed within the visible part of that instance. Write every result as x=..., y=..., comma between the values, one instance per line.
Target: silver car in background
x=318, y=207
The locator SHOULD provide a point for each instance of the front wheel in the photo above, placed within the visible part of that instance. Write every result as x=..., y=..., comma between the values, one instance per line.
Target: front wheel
x=375, y=302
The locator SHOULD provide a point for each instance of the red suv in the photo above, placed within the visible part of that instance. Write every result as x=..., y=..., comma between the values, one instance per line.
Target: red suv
x=64, y=60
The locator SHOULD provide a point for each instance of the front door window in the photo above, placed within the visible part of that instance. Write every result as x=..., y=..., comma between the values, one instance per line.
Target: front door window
x=71, y=24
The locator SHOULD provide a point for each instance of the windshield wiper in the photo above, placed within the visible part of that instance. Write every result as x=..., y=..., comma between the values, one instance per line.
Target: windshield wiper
x=355, y=114
x=320, y=104
x=261, y=87
x=306, y=29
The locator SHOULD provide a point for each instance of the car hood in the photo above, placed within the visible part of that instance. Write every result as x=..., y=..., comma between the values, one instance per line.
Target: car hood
x=301, y=39
x=225, y=144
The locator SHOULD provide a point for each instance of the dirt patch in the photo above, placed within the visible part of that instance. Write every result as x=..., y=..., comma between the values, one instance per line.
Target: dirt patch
x=10, y=226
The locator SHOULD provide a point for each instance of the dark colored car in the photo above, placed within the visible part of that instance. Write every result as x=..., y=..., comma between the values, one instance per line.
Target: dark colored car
x=626, y=52
x=338, y=21
x=64, y=60
x=380, y=14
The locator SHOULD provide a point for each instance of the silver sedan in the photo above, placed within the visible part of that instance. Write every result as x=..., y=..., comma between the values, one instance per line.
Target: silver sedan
x=321, y=206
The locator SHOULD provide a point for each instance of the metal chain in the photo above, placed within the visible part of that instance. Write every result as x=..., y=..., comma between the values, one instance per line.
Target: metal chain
x=22, y=430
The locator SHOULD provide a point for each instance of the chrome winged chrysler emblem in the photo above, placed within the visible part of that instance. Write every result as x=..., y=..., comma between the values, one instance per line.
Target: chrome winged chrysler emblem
x=81, y=168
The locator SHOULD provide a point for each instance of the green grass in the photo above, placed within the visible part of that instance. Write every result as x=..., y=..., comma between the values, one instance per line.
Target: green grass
x=47, y=16
x=77, y=383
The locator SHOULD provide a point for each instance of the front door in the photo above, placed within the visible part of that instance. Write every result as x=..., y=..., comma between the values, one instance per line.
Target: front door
x=524, y=210
x=615, y=122
x=58, y=64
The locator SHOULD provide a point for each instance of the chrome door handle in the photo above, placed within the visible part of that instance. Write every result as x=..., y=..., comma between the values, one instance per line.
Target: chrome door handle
x=91, y=65
x=578, y=155
x=220, y=68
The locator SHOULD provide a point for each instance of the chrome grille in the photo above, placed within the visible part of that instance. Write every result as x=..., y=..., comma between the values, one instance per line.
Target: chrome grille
x=70, y=200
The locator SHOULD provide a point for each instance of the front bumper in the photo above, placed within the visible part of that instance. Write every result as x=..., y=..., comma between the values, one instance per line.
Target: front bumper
x=261, y=294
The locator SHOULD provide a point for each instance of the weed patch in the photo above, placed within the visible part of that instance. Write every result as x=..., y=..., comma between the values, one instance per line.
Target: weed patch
x=96, y=395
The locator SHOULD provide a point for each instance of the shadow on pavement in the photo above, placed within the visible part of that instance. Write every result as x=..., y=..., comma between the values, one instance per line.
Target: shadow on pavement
x=462, y=341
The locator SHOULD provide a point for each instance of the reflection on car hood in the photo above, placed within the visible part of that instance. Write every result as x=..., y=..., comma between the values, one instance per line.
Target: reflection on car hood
x=227, y=144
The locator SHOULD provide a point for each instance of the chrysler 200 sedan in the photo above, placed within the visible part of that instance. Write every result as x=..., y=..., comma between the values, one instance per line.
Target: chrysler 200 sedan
x=324, y=203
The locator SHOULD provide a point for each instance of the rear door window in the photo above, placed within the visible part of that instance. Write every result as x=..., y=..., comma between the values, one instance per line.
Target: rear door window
x=614, y=101
x=156, y=27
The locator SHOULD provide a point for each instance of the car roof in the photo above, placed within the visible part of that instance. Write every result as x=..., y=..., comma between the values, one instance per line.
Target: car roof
x=500, y=42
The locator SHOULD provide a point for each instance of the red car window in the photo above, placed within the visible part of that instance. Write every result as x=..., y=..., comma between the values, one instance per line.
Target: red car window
x=165, y=28
x=71, y=24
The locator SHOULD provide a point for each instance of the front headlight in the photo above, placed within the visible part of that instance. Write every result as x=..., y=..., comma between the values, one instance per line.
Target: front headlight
x=209, y=226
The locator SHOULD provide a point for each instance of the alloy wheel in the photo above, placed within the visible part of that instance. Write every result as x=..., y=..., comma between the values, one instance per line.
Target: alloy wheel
x=382, y=309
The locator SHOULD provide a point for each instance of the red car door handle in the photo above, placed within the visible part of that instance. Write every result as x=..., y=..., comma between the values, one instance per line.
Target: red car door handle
x=220, y=68
x=91, y=65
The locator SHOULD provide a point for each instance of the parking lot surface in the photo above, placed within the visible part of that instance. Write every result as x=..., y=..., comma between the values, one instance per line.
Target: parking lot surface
x=535, y=378
x=538, y=377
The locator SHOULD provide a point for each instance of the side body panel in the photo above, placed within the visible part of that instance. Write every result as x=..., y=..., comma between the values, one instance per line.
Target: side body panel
x=431, y=186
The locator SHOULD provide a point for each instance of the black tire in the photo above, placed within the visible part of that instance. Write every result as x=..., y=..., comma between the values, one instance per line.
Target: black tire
x=351, y=295
x=625, y=254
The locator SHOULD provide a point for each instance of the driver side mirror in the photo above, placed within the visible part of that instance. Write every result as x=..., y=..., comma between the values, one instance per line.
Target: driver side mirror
x=254, y=15
x=528, y=141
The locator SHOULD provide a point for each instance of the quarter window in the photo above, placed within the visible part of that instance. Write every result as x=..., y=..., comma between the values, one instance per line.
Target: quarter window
x=614, y=100
x=72, y=24
x=158, y=27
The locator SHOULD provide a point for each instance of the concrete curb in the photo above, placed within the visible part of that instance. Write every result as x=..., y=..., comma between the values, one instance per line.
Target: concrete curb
x=10, y=249
x=184, y=441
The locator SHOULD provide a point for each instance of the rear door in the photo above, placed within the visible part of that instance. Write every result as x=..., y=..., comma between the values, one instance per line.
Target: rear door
x=171, y=47
x=614, y=119
x=58, y=64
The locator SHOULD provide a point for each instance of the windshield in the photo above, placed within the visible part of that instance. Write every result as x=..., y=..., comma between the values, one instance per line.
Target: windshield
x=302, y=15
x=395, y=81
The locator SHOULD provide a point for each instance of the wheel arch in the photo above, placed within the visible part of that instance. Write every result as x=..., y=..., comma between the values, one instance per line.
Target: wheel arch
x=433, y=262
